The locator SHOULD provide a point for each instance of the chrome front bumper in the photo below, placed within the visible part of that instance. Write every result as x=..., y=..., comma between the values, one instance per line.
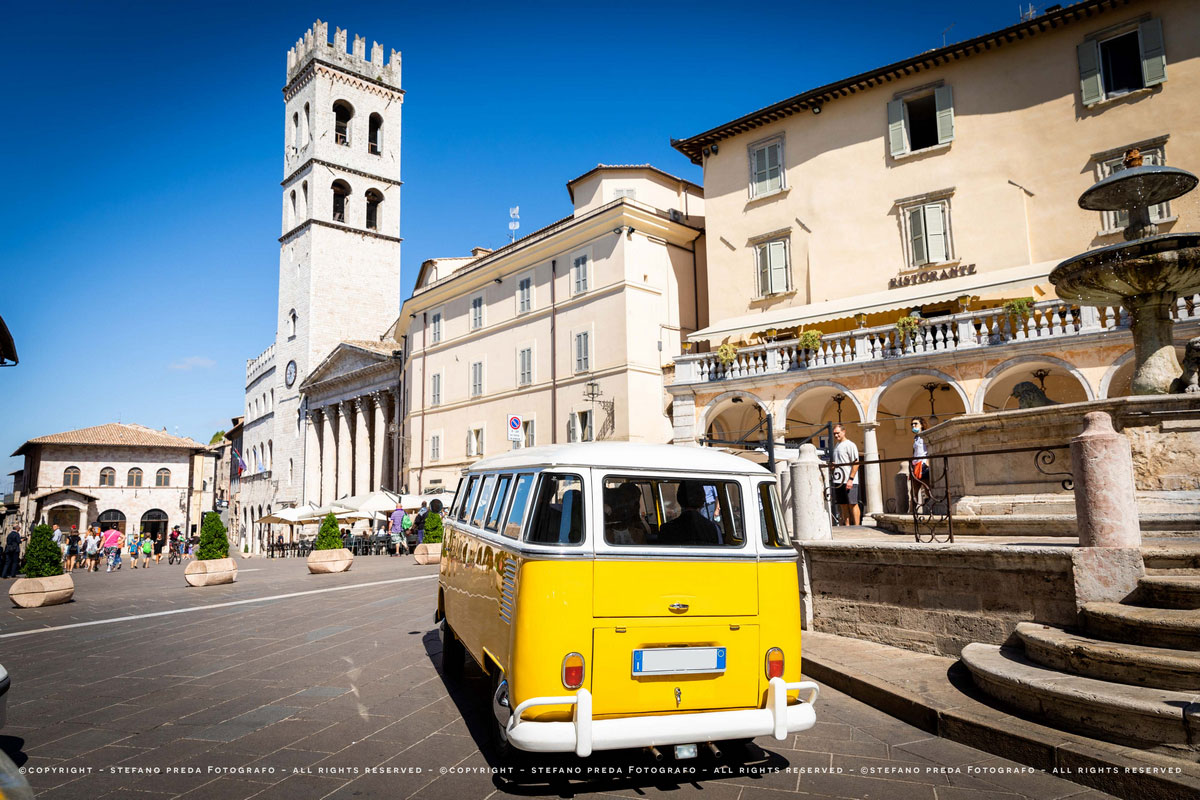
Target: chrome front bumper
x=583, y=735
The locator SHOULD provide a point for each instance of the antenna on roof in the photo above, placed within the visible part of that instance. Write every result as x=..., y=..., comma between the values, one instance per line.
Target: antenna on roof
x=1027, y=13
x=945, y=32
x=514, y=223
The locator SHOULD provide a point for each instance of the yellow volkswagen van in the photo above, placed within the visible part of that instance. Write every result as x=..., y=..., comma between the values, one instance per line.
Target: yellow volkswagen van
x=625, y=595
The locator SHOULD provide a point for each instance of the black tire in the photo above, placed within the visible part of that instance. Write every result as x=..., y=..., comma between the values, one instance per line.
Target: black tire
x=454, y=655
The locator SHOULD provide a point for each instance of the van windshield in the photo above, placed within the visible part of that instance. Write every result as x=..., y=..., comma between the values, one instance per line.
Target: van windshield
x=673, y=512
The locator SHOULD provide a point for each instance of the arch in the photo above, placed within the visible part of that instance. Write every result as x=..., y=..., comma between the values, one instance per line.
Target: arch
x=71, y=476
x=154, y=522
x=133, y=477
x=290, y=472
x=375, y=134
x=304, y=200
x=108, y=477
x=306, y=134
x=343, y=112
x=374, y=201
x=873, y=406
x=270, y=453
x=822, y=393
x=725, y=402
x=1000, y=369
x=804, y=387
x=291, y=323
x=1106, y=382
x=295, y=131
x=66, y=515
x=341, y=192
x=162, y=477
x=292, y=211
x=112, y=518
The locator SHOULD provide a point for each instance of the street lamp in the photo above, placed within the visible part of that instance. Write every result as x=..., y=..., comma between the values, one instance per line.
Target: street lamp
x=839, y=398
x=592, y=393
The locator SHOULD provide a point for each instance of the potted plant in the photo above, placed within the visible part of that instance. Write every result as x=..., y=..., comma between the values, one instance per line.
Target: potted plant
x=44, y=583
x=328, y=554
x=429, y=551
x=908, y=325
x=212, y=565
x=726, y=353
x=1018, y=309
x=809, y=340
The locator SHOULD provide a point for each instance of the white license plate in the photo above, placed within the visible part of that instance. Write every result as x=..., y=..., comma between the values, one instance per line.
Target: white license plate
x=678, y=660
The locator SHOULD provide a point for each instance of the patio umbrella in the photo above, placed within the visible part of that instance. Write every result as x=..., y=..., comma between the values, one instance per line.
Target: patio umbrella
x=296, y=515
x=381, y=500
x=272, y=519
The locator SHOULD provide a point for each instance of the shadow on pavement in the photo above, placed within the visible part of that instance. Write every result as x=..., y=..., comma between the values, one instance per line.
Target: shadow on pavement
x=11, y=747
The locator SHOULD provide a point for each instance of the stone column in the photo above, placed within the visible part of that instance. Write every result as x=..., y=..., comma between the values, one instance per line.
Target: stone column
x=362, y=448
x=328, y=455
x=810, y=514
x=345, y=449
x=378, y=441
x=393, y=475
x=872, y=479
x=683, y=419
x=312, y=458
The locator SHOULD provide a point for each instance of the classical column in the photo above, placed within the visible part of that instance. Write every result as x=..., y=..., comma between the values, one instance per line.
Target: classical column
x=345, y=449
x=312, y=458
x=328, y=456
x=378, y=442
x=362, y=448
x=872, y=480
x=394, y=476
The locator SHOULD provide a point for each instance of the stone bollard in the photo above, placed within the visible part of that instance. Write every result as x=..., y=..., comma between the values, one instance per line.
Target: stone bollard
x=1105, y=503
x=810, y=515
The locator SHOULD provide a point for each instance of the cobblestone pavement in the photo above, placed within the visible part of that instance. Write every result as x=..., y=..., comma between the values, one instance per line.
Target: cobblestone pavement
x=339, y=694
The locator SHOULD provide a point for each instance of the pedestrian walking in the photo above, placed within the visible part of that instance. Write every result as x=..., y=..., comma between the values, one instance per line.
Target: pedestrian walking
x=11, y=560
x=919, y=493
x=845, y=476
x=131, y=544
x=159, y=540
x=91, y=546
x=111, y=541
x=60, y=539
x=419, y=522
x=73, y=551
x=147, y=549
x=398, y=519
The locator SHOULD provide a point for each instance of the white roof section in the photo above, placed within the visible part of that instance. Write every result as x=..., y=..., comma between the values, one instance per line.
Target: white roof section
x=622, y=455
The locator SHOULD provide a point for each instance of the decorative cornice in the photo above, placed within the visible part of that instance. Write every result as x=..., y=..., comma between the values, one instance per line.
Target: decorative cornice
x=310, y=161
x=296, y=231
x=330, y=70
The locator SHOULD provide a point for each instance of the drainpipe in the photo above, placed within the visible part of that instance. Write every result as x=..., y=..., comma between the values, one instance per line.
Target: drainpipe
x=424, y=411
x=553, y=359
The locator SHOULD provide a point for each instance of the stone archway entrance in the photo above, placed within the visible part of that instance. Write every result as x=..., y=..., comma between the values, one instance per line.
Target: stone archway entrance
x=64, y=517
x=154, y=522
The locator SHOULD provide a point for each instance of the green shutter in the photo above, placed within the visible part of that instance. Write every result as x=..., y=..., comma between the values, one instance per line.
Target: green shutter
x=1154, y=55
x=778, y=257
x=935, y=234
x=916, y=234
x=1091, y=85
x=897, y=136
x=943, y=98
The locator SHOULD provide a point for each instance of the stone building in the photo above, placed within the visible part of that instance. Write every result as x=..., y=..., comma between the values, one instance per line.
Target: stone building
x=882, y=244
x=117, y=475
x=339, y=250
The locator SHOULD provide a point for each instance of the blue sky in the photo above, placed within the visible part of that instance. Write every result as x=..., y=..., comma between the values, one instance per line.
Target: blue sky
x=143, y=144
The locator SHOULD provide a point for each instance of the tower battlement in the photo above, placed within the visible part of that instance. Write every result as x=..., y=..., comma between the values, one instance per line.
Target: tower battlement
x=315, y=45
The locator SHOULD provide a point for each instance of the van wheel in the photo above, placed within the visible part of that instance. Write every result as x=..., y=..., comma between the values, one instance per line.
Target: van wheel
x=453, y=653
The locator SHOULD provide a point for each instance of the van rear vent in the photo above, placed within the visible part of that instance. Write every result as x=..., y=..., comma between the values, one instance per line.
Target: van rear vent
x=508, y=590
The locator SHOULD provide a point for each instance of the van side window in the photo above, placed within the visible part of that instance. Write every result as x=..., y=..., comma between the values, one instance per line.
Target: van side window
x=774, y=531
x=558, y=512
x=493, y=516
x=672, y=512
x=520, y=501
x=458, y=498
x=485, y=494
x=469, y=498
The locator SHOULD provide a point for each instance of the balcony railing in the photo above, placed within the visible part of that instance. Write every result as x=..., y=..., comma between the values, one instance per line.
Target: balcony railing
x=1049, y=321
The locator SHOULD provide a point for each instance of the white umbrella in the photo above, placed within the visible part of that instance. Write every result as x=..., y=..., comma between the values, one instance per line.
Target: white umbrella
x=296, y=515
x=381, y=500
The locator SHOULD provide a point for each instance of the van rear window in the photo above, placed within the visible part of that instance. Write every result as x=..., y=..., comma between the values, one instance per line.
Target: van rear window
x=770, y=517
x=673, y=512
x=558, y=511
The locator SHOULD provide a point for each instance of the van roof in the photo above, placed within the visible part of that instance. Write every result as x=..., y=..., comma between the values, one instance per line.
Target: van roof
x=621, y=455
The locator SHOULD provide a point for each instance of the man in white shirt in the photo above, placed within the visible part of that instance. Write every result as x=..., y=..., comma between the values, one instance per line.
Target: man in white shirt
x=845, y=476
x=59, y=539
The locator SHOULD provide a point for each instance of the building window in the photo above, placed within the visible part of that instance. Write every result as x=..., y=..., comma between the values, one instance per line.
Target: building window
x=108, y=477
x=375, y=134
x=920, y=121
x=71, y=476
x=579, y=274
x=162, y=477
x=134, y=478
x=292, y=211
x=374, y=201
x=771, y=260
x=525, y=366
x=524, y=295
x=476, y=312
x=476, y=378
x=928, y=230
x=306, y=131
x=295, y=132
x=579, y=426
x=435, y=447
x=343, y=112
x=527, y=429
x=766, y=168
x=1117, y=220
x=291, y=323
x=619, y=193
x=475, y=442
x=341, y=191
x=582, y=356
x=435, y=390
x=435, y=328
x=1126, y=62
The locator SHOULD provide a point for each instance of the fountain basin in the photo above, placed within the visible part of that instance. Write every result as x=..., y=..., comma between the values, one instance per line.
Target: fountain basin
x=1108, y=276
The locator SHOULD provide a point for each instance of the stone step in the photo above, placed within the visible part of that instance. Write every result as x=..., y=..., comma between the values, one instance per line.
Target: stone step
x=1112, y=711
x=1133, y=664
x=1169, y=591
x=1154, y=627
x=1172, y=556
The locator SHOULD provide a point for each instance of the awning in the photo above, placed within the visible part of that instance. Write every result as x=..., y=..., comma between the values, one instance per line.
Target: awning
x=986, y=285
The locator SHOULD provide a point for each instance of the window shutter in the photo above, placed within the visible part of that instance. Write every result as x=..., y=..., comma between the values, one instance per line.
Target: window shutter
x=916, y=235
x=774, y=170
x=943, y=98
x=897, y=135
x=759, y=170
x=1154, y=55
x=778, y=258
x=935, y=234
x=571, y=429
x=764, y=283
x=1091, y=85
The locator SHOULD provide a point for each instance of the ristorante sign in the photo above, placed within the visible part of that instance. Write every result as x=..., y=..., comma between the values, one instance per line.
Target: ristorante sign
x=931, y=275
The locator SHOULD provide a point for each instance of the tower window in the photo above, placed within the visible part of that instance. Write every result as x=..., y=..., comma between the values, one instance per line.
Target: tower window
x=292, y=211
x=295, y=132
x=304, y=199
x=306, y=132
x=374, y=199
x=291, y=322
x=343, y=112
x=341, y=190
x=375, y=134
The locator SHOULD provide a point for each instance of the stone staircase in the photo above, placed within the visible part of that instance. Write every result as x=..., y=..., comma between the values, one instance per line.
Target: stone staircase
x=1130, y=674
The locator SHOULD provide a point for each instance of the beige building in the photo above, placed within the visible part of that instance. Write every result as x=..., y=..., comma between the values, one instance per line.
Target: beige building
x=938, y=188
x=570, y=328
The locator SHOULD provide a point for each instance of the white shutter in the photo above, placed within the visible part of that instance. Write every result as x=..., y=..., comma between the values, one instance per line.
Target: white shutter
x=758, y=169
x=764, y=271
x=943, y=98
x=897, y=133
x=778, y=257
x=916, y=236
x=774, y=169
x=1154, y=55
x=935, y=234
x=572, y=435
x=1091, y=84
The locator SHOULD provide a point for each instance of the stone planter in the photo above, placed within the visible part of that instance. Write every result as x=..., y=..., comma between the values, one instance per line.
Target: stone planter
x=211, y=572
x=38, y=592
x=325, y=561
x=428, y=553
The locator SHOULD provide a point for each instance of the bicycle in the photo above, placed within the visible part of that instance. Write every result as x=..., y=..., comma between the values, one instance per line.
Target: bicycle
x=174, y=555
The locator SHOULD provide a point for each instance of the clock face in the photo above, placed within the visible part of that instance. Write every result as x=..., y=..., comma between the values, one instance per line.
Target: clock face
x=290, y=374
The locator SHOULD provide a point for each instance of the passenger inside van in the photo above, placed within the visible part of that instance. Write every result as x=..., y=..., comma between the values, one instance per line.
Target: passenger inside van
x=691, y=527
x=622, y=515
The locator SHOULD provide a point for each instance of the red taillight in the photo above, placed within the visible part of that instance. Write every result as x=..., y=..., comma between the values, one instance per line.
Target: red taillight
x=774, y=663
x=572, y=671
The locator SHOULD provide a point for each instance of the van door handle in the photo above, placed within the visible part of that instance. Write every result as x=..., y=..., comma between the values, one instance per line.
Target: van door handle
x=679, y=608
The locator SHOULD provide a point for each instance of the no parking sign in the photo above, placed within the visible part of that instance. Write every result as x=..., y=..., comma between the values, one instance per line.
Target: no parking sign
x=515, y=434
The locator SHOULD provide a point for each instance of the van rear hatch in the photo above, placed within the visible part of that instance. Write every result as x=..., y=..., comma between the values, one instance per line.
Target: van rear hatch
x=708, y=588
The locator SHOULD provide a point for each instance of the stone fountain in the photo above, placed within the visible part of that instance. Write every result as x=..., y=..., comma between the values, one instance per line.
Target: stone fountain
x=1146, y=274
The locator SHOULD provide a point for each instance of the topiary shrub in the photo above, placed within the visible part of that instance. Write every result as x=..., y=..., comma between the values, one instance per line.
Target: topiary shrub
x=329, y=537
x=43, y=558
x=214, y=541
x=433, y=524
